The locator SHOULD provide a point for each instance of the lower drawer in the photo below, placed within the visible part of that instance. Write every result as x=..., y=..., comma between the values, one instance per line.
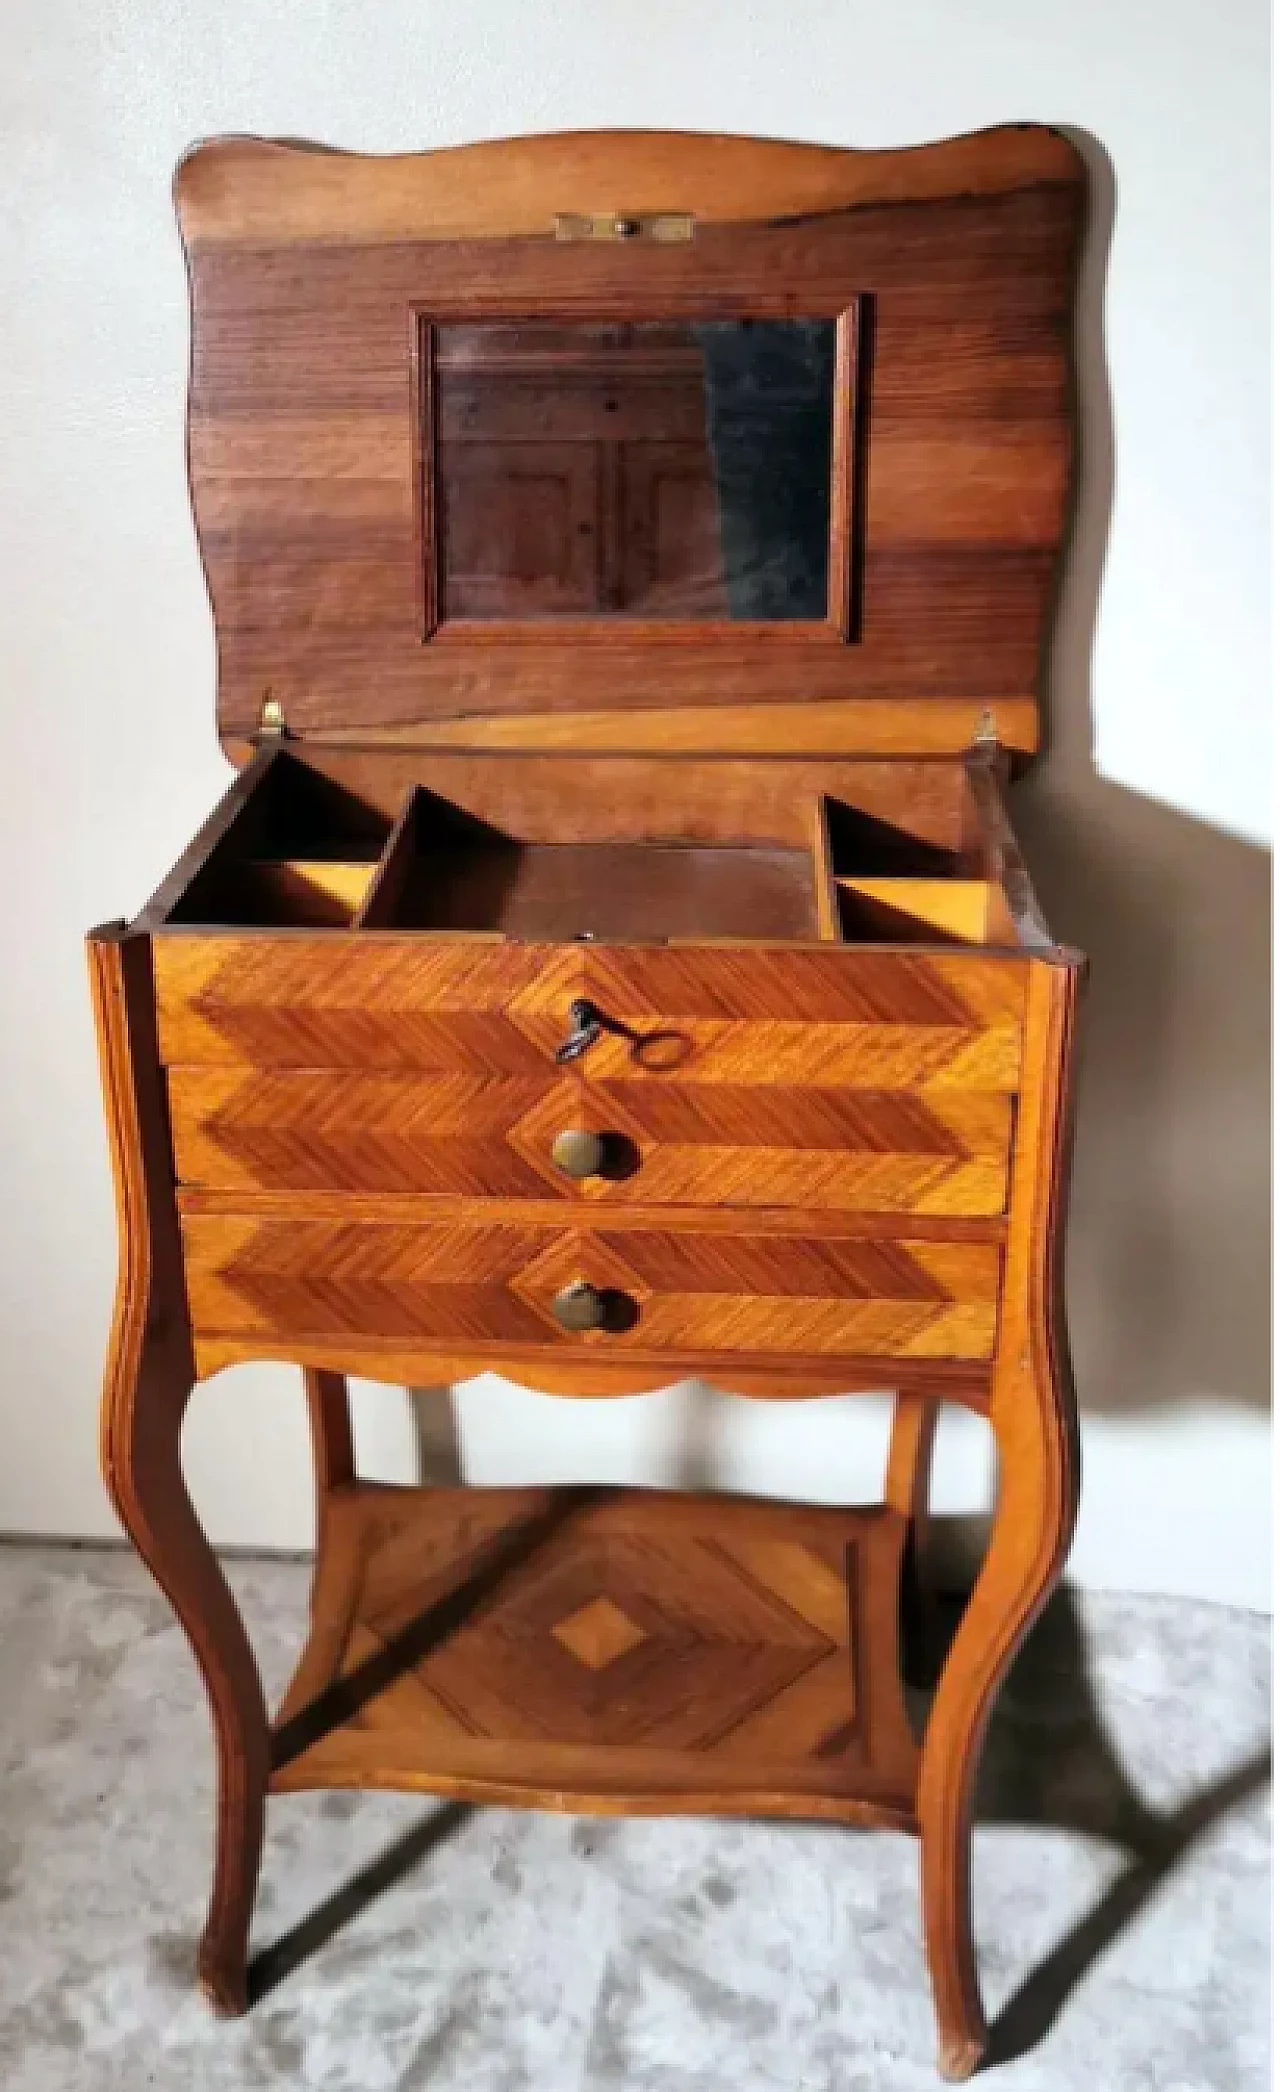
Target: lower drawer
x=627, y=1289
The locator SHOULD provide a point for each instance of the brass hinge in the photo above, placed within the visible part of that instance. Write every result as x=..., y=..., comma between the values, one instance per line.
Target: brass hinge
x=985, y=733
x=664, y=227
x=272, y=724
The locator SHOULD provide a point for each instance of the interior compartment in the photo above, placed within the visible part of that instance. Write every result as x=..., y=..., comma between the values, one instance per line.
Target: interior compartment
x=625, y=849
x=445, y=870
x=890, y=887
x=314, y=893
x=923, y=911
x=296, y=849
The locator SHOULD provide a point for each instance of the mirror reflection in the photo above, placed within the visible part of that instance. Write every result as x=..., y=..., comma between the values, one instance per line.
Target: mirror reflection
x=650, y=469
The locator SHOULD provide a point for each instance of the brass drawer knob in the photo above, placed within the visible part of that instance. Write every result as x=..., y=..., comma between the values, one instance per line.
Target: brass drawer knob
x=581, y=1306
x=580, y=1154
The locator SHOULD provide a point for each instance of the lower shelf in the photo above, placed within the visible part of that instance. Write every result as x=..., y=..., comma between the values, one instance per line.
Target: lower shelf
x=605, y=1650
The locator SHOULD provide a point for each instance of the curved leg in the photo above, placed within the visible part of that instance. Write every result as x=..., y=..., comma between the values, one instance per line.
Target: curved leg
x=906, y=1491
x=149, y=1377
x=1032, y=1416
x=332, y=1446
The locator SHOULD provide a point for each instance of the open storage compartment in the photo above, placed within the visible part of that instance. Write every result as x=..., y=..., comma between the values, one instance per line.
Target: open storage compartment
x=889, y=887
x=544, y=850
x=288, y=847
x=445, y=870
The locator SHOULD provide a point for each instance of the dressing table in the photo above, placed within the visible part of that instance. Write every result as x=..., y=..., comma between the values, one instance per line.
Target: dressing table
x=612, y=962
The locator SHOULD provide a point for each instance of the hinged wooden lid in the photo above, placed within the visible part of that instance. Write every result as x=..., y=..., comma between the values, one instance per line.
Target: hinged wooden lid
x=364, y=332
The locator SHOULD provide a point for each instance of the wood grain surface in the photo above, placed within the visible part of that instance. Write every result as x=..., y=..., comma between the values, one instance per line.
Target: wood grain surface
x=605, y=1650
x=686, y=1144
x=150, y=1373
x=309, y=272
x=1033, y=1417
x=736, y=1013
x=845, y=1161
x=468, y=1284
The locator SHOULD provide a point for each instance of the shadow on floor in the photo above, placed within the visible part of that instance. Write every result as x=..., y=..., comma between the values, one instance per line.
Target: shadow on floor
x=1049, y=1761
x=306, y=1939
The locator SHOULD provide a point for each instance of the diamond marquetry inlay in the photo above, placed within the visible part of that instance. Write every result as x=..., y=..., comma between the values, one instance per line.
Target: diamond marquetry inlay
x=720, y=1639
x=598, y=1633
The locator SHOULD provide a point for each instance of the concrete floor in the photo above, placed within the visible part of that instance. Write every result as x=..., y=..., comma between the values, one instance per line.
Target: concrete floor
x=1121, y=1888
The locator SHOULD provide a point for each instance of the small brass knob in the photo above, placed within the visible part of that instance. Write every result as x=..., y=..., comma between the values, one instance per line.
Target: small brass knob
x=625, y=228
x=580, y=1306
x=579, y=1154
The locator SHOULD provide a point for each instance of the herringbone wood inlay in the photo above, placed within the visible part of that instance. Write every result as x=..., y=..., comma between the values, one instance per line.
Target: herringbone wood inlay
x=818, y=1017
x=307, y=1129
x=748, y=1144
x=463, y=1135
x=850, y=1080
x=468, y=1006
x=722, y=1641
x=462, y=1283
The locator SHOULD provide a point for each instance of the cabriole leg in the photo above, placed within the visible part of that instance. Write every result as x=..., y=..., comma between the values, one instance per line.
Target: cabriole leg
x=906, y=1490
x=1028, y=1537
x=149, y=1377
x=332, y=1444
x=1033, y=1420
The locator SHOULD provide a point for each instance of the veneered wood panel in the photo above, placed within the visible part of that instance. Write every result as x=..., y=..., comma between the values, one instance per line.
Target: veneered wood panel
x=870, y=1020
x=239, y=189
x=460, y=1134
x=302, y=1001
x=536, y=1639
x=559, y=796
x=869, y=727
x=463, y=1284
x=310, y=271
x=474, y=1135
x=787, y=1144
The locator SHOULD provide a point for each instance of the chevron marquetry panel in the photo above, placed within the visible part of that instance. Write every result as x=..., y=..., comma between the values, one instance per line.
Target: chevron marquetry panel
x=467, y=1285
x=715, y=1640
x=480, y=1135
x=787, y=1144
x=867, y=1019
x=335, y=1129
x=297, y=1001
x=749, y=1076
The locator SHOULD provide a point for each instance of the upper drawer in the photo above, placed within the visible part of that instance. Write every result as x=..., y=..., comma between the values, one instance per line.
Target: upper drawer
x=780, y=1015
x=746, y=1014
x=294, y=1000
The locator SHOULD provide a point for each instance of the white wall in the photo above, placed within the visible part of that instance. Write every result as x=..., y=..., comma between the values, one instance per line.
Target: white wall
x=106, y=663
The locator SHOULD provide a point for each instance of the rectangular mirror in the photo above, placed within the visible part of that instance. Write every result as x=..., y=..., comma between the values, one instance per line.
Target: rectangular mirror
x=653, y=469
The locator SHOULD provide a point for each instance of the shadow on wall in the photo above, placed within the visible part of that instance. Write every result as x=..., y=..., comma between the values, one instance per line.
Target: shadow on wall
x=1169, y=1270
x=1168, y=1282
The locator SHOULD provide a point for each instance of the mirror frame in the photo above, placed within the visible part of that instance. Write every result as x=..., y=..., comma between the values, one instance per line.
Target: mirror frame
x=850, y=416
